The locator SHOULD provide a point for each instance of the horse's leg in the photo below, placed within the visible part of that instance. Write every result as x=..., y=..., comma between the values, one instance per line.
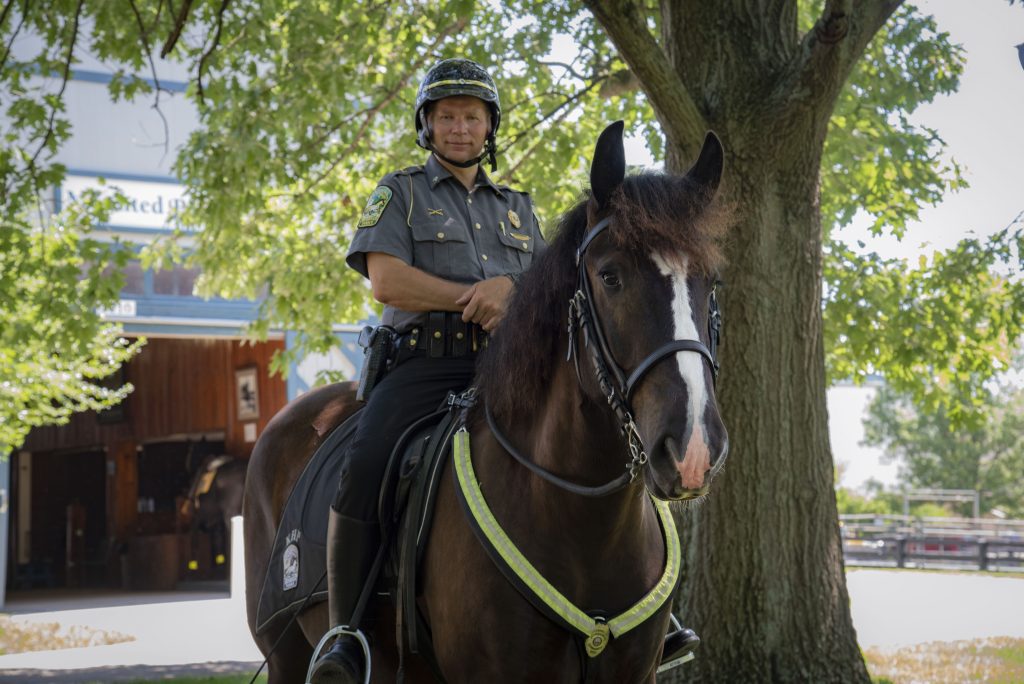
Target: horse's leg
x=379, y=625
x=288, y=662
x=193, y=542
x=218, y=547
x=275, y=464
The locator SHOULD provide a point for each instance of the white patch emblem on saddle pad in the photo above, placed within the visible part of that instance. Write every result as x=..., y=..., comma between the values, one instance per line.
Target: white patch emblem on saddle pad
x=291, y=566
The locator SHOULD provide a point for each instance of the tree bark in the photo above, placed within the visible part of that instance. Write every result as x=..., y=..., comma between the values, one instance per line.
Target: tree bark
x=764, y=582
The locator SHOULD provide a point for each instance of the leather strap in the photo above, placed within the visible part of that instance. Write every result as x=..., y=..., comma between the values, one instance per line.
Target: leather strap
x=661, y=352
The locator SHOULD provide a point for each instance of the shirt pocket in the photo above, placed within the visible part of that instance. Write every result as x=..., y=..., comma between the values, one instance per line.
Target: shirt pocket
x=518, y=252
x=438, y=249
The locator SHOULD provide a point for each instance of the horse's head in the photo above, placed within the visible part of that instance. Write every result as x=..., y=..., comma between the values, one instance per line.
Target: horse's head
x=647, y=269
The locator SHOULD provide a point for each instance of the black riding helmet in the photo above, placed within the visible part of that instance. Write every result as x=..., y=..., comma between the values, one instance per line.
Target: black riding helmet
x=458, y=76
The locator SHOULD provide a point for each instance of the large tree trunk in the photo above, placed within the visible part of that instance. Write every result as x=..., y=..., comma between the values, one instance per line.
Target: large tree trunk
x=764, y=581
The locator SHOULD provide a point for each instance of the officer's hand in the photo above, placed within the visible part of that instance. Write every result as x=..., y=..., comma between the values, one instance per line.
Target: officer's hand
x=484, y=303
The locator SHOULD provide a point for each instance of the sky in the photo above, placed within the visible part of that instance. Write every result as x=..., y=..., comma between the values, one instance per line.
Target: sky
x=983, y=126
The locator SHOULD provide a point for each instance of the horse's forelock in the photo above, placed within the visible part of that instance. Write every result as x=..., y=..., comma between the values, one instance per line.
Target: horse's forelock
x=670, y=215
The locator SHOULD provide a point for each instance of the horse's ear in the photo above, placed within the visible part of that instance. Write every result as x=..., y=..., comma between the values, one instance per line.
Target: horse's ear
x=609, y=165
x=707, y=170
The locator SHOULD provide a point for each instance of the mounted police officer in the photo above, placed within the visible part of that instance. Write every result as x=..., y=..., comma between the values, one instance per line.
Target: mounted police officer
x=442, y=246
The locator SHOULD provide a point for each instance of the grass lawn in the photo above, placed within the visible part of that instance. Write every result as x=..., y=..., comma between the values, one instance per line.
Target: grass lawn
x=998, y=660
x=18, y=637
x=228, y=679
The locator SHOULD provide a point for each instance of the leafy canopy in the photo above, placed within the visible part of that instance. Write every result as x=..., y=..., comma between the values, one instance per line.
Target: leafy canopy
x=55, y=350
x=304, y=106
x=935, y=452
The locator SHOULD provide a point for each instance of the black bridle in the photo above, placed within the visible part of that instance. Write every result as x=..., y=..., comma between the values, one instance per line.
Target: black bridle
x=616, y=386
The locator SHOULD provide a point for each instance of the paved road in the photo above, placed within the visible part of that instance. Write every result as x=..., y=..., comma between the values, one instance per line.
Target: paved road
x=176, y=634
x=896, y=608
x=204, y=633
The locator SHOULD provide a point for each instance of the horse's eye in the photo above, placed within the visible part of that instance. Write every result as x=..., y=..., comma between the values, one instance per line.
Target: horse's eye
x=610, y=279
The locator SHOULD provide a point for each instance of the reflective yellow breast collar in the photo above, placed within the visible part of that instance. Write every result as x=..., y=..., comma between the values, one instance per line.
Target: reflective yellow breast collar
x=541, y=593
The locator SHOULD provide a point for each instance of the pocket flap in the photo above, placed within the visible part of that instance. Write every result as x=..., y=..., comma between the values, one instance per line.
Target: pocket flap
x=436, y=232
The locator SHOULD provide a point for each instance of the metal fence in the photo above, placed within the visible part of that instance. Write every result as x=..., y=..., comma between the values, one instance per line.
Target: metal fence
x=904, y=541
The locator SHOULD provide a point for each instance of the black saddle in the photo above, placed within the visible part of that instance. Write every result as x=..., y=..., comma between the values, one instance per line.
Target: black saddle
x=296, y=567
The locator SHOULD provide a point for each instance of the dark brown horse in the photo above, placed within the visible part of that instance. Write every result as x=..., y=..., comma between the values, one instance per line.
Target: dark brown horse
x=214, y=497
x=577, y=500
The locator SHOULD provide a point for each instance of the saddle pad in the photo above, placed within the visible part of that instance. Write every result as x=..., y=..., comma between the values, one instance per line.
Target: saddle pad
x=299, y=553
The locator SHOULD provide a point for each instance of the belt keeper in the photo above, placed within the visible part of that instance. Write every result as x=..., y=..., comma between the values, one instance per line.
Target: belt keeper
x=460, y=341
x=436, y=334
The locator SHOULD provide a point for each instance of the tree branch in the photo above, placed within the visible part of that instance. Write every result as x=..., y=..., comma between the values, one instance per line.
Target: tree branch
x=65, y=76
x=567, y=67
x=508, y=174
x=574, y=98
x=179, y=25
x=144, y=38
x=7, y=10
x=14, y=34
x=213, y=46
x=626, y=26
x=829, y=51
x=370, y=113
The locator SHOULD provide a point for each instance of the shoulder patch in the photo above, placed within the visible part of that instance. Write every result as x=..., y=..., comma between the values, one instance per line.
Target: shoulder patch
x=375, y=206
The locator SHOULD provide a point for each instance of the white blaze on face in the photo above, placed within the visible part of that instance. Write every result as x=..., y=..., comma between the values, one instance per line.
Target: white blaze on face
x=697, y=458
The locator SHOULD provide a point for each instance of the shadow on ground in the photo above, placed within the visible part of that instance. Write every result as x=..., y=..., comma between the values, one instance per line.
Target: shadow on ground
x=128, y=673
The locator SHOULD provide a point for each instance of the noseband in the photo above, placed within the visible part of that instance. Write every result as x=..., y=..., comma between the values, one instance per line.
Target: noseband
x=616, y=386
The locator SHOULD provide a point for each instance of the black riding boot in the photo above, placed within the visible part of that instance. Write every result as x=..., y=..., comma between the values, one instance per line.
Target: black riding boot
x=678, y=643
x=351, y=548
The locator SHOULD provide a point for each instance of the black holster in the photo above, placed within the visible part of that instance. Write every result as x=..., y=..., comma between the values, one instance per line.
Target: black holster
x=379, y=346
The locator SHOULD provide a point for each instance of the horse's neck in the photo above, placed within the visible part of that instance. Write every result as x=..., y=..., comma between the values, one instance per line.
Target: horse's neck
x=576, y=440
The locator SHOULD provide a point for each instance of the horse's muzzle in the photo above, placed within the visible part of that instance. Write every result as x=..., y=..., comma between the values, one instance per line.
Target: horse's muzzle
x=681, y=475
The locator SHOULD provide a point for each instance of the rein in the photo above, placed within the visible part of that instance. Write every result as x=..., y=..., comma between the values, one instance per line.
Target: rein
x=583, y=317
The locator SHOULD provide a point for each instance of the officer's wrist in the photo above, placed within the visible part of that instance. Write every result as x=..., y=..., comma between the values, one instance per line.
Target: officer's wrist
x=514, y=277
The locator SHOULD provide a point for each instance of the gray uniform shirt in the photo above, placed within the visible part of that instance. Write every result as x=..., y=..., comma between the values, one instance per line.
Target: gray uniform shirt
x=424, y=216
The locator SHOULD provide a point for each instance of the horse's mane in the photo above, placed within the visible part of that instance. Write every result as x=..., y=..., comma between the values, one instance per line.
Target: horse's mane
x=653, y=213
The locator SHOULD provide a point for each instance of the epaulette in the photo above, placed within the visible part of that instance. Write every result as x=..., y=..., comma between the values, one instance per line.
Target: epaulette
x=409, y=170
x=506, y=188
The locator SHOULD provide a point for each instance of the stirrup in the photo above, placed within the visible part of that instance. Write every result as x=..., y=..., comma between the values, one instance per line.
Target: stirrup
x=675, y=662
x=338, y=631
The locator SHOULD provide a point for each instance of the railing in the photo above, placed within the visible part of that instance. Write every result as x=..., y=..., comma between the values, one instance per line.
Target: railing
x=904, y=541
x=918, y=552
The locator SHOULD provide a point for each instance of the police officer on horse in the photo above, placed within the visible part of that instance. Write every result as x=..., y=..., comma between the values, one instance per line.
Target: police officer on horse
x=442, y=246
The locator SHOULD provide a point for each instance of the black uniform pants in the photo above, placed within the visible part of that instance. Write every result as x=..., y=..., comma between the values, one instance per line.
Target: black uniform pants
x=407, y=393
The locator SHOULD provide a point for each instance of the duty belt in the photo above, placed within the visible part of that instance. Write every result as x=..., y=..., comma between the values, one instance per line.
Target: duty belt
x=445, y=335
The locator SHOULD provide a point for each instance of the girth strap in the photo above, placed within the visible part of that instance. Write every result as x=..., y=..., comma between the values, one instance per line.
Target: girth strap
x=534, y=587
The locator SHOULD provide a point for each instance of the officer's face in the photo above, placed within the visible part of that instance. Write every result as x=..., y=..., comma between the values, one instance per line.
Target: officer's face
x=459, y=126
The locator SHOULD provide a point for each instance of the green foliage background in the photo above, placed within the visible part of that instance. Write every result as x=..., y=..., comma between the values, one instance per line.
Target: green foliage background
x=305, y=105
